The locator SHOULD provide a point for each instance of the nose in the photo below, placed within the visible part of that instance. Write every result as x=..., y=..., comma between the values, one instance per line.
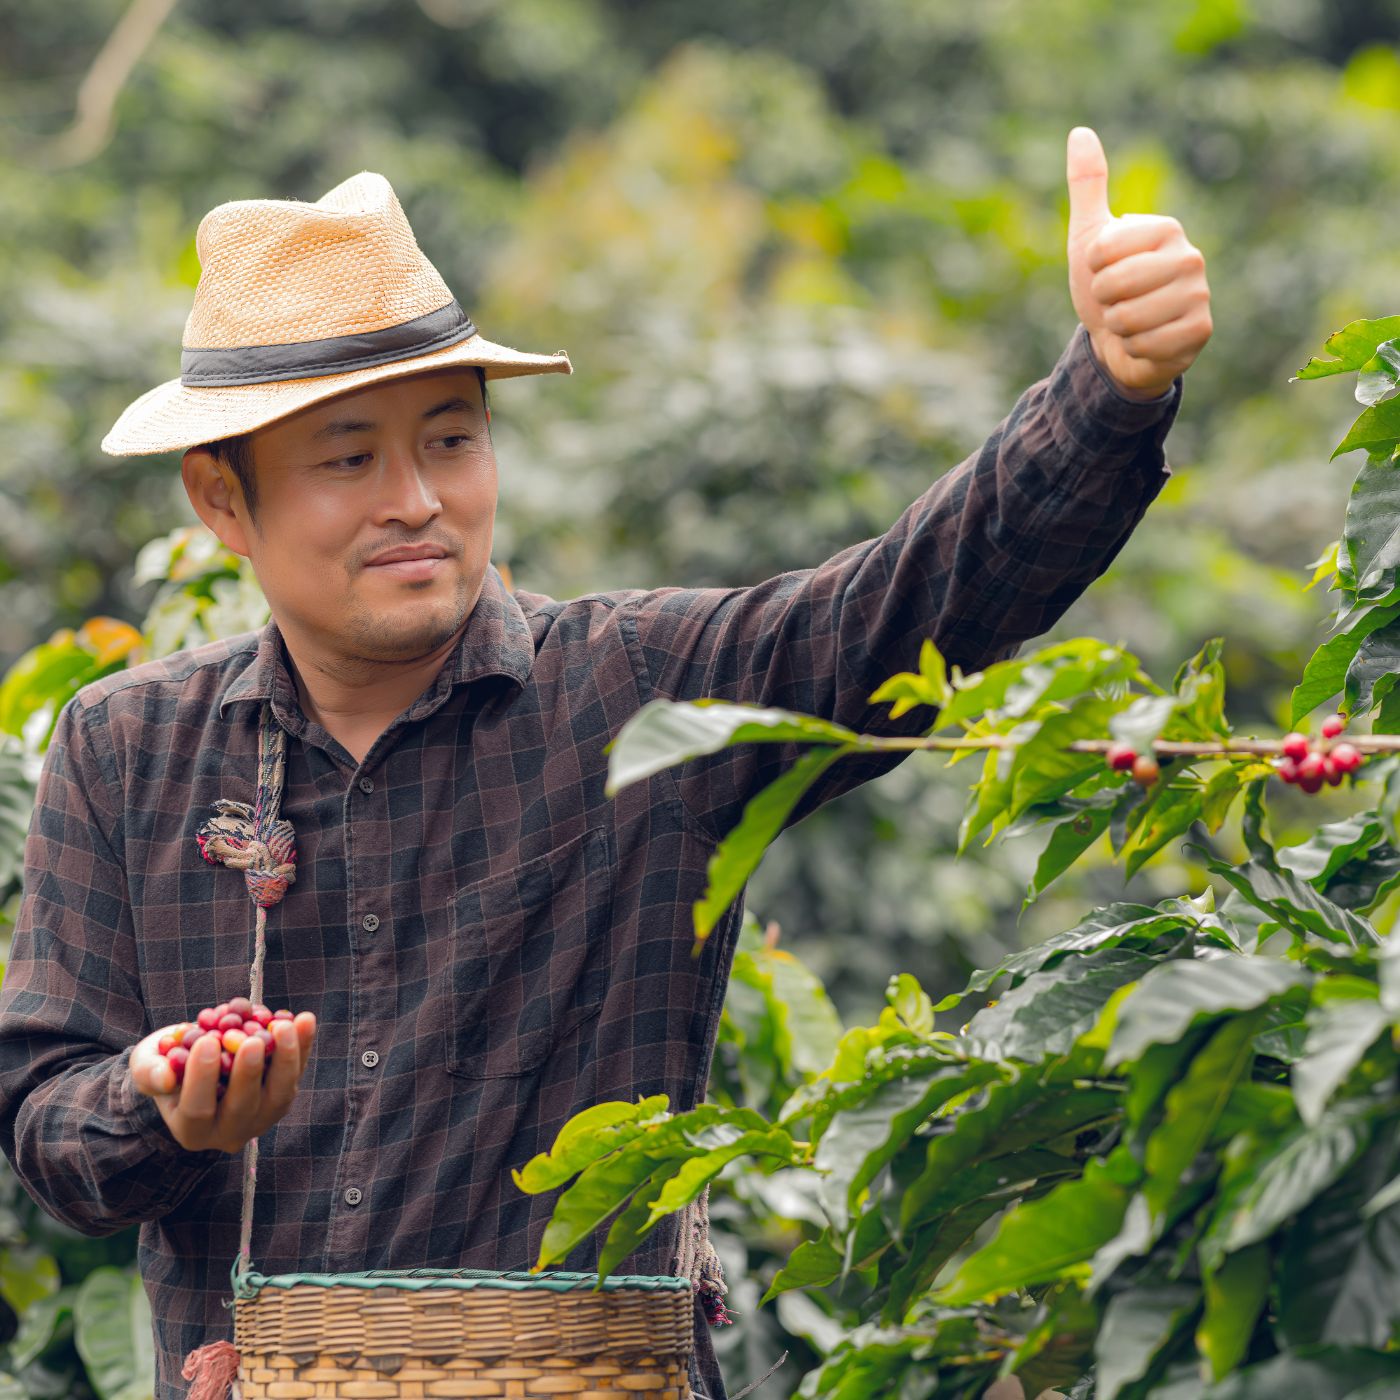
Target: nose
x=406, y=493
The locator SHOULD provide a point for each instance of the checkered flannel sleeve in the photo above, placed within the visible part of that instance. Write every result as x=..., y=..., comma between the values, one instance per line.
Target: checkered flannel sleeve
x=989, y=557
x=89, y=1148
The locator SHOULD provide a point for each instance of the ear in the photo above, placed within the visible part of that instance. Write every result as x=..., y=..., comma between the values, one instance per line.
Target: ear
x=217, y=498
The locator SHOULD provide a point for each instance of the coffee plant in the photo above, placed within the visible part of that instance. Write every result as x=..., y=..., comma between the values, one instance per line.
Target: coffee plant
x=1164, y=1160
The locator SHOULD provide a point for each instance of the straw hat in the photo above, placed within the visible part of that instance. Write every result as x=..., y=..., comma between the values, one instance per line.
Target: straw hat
x=299, y=302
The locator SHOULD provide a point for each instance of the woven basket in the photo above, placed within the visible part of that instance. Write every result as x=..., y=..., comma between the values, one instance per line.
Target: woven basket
x=450, y=1334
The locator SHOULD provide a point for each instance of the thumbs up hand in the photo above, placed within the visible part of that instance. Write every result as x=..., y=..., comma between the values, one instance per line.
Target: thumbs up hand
x=1137, y=284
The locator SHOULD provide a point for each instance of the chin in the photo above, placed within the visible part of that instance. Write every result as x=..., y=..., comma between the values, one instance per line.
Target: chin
x=406, y=633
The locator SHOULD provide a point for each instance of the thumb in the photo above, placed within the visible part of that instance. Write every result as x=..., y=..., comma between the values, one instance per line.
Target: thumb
x=1086, y=170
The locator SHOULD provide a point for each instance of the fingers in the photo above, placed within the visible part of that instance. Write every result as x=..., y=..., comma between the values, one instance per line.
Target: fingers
x=199, y=1093
x=1157, y=308
x=1086, y=172
x=1140, y=273
x=293, y=1047
x=241, y=1110
x=150, y=1071
x=1176, y=341
x=1134, y=233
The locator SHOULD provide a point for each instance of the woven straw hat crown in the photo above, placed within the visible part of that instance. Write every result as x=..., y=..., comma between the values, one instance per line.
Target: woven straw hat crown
x=275, y=272
x=298, y=302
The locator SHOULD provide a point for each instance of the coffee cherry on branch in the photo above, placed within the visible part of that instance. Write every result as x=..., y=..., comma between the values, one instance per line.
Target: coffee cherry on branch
x=1332, y=726
x=1346, y=757
x=1288, y=770
x=1296, y=746
x=1146, y=770
x=1121, y=757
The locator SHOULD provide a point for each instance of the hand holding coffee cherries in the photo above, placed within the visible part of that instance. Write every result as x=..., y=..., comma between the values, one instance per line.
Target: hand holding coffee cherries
x=227, y=1076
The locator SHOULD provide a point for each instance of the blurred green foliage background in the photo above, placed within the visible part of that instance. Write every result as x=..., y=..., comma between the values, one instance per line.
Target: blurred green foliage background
x=804, y=256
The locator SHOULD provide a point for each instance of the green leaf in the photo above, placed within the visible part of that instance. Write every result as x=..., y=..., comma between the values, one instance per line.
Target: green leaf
x=1045, y=767
x=1008, y=1119
x=1053, y=1007
x=1139, y=924
x=1373, y=670
x=863, y=1138
x=1061, y=671
x=49, y=674
x=1332, y=1373
x=1354, y=345
x=16, y=807
x=1285, y=1178
x=1330, y=847
x=1171, y=998
x=1377, y=430
x=927, y=686
x=1138, y=1325
x=1169, y=812
x=807, y=1022
x=696, y=1174
x=27, y=1274
x=664, y=733
x=1072, y=836
x=1361, y=884
x=585, y=1138
x=1142, y=723
x=1192, y=1108
x=1294, y=902
x=43, y=1323
x=1235, y=1295
x=1200, y=693
x=1336, y=1273
x=1325, y=674
x=608, y=1184
x=1339, y=1036
x=738, y=855
x=112, y=1329
x=1044, y=1239
x=1370, y=536
x=911, y=1003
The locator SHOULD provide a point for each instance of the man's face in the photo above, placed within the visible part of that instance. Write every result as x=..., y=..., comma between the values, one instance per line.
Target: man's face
x=374, y=515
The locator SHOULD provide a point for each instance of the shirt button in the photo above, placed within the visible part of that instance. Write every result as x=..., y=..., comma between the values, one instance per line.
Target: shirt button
x=370, y=1058
x=354, y=1196
x=370, y=922
x=366, y=784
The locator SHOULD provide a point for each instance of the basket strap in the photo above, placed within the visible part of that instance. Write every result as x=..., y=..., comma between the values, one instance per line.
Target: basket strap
x=258, y=842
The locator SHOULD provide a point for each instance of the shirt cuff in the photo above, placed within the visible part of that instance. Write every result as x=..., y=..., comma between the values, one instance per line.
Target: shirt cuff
x=1103, y=400
x=145, y=1117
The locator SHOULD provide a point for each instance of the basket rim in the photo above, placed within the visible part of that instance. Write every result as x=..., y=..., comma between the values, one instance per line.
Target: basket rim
x=552, y=1281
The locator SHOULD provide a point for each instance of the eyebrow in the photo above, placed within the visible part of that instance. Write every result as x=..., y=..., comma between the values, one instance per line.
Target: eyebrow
x=344, y=427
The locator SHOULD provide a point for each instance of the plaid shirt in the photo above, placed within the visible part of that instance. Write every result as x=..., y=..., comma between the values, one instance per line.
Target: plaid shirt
x=489, y=943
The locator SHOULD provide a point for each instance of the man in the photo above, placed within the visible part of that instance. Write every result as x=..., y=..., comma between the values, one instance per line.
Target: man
x=478, y=942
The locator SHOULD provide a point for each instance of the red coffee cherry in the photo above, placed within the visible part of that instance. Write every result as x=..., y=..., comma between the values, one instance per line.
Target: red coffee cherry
x=1311, y=766
x=1288, y=770
x=1146, y=770
x=1330, y=772
x=1332, y=726
x=1347, y=758
x=1296, y=746
x=226, y=1028
x=1121, y=757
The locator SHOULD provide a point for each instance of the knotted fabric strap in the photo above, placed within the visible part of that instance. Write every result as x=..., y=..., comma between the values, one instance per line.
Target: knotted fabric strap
x=696, y=1260
x=258, y=842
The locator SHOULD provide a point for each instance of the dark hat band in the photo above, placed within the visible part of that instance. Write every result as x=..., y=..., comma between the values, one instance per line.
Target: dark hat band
x=309, y=359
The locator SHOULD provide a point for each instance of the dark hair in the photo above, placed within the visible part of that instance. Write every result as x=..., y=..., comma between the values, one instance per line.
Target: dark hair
x=236, y=453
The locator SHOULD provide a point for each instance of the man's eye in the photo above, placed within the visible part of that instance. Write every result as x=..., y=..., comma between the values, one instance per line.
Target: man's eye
x=356, y=459
x=454, y=439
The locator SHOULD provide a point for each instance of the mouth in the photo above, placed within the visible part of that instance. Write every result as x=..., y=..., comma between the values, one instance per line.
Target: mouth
x=423, y=567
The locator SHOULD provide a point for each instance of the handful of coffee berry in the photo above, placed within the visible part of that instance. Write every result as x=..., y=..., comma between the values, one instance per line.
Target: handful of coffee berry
x=230, y=1024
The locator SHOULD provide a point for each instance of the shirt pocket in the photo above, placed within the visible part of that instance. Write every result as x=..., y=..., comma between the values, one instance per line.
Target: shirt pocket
x=529, y=959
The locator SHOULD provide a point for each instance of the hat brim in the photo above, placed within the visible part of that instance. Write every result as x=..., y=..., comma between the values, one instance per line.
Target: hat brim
x=173, y=416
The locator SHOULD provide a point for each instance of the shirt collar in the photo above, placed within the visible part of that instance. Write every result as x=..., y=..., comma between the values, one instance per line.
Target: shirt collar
x=496, y=642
